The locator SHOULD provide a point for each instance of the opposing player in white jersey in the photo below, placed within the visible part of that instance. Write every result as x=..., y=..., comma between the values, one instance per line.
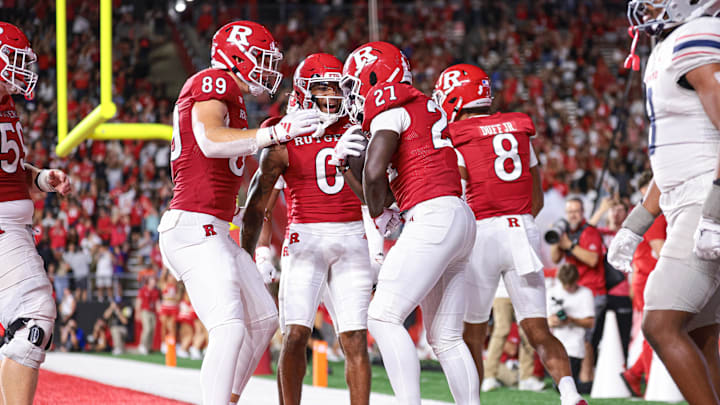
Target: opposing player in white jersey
x=209, y=145
x=682, y=83
x=503, y=190
x=326, y=242
x=27, y=308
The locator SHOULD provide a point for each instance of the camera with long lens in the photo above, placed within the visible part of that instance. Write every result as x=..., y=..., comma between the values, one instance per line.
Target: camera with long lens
x=561, y=314
x=560, y=227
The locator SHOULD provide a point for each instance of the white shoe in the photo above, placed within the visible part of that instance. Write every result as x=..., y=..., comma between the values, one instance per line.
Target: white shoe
x=195, y=353
x=574, y=400
x=142, y=350
x=334, y=355
x=182, y=354
x=117, y=351
x=163, y=348
x=490, y=384
x=531, y=384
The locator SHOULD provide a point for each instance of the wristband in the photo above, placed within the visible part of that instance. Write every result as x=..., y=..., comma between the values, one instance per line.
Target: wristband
x=639, y=220
x=711, y=207
x=42, y=181
x=265, y=137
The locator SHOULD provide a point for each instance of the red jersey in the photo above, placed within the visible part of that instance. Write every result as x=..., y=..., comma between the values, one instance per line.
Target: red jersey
x=590, y=277
x=644, y=259
x=424, y=166
x=315, y=190
x=202, y=184
x=13, y=184
x=149, y=298
x=496, y=149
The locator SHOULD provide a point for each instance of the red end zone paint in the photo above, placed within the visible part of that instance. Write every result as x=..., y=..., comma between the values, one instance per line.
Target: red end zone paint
x=58, y=389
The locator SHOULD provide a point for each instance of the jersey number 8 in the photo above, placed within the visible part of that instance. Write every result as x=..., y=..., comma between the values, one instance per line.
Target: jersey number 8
x=504, y=154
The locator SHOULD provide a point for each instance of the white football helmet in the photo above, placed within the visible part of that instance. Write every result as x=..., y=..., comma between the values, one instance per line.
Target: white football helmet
x=670, y=13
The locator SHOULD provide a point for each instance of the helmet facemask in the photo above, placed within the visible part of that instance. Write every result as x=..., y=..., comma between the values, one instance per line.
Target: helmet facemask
x=265, y=73
x=17, y=73
x=354, y=102
x=336, y=102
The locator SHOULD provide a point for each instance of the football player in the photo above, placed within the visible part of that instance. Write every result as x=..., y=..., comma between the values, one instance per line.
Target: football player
x=326, y=239
x=503, y=188
x=27, y=307
x=682, y=83
x=209, y=145
x=410, y=152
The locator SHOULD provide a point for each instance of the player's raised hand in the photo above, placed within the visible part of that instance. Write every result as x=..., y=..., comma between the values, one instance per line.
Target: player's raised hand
x=296, y=123
x=622, y=248
x=351, y=143
x=53, y=180
x=263, y=261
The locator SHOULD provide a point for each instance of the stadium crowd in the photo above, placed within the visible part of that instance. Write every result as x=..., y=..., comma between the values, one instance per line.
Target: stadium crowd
x=558, y=61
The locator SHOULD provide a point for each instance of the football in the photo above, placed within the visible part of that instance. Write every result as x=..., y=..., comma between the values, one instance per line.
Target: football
x=357, y=163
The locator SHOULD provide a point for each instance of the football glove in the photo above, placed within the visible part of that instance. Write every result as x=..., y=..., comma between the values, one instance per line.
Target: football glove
x=388, y=222
x=263, y=261
x=622, y=248
x=349, y=144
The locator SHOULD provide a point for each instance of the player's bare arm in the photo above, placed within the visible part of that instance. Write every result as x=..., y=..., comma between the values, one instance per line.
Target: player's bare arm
x=217, y=140
x=266, y=231
x=46, y=181
x=651, y=200
x=382, y=146
x=273, y=162
x=538, y=198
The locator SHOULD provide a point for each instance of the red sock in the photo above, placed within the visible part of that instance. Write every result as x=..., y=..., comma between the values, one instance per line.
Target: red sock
x=646, y=357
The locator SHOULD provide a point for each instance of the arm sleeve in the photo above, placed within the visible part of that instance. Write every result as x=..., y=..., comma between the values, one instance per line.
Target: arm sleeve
x=395, y=119
x=280, y=183
x=533, y=157
x=461, y=159
x=212, y=150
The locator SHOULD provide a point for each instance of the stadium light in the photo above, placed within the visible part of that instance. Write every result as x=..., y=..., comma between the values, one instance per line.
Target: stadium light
x=180, y=6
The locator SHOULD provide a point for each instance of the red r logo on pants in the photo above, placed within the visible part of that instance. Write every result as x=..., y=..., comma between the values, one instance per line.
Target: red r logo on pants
x=209, y=230
x=513, y=223
x=294, y=238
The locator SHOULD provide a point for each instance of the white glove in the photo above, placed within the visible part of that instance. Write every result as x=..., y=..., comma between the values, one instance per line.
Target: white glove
x=263, y=261
x=238, y=216
x=707, y=239
x=349, y=144
x=388, y=222
x=622, y=248
x=296, y=123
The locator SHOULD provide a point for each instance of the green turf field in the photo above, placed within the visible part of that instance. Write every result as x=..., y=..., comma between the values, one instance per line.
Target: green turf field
x=433, y=384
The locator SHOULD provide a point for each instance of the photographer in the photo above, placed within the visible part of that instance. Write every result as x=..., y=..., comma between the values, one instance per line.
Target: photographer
x=570, y=315
x=117, y=315
x=581, y=245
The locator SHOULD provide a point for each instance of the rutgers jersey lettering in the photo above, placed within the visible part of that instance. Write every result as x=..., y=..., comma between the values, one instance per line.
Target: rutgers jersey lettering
x=425, y=165
x=13, y=184
x=496, y=149
x=316, y=191
x=202, y=184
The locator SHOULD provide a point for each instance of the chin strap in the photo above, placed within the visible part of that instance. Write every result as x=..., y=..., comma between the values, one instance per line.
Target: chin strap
x=633, y=60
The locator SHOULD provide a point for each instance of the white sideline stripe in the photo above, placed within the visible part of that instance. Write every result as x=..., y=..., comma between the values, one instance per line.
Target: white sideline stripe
x=183, y=384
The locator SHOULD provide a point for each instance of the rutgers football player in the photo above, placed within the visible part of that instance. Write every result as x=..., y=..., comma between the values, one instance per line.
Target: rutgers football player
x=326, y=238
x=27, y=307
x=682, y=84
x=209, y=145
x=409, y=149
x=503, y=191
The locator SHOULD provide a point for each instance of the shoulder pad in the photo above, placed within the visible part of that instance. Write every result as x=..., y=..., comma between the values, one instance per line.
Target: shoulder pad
x=386, y=96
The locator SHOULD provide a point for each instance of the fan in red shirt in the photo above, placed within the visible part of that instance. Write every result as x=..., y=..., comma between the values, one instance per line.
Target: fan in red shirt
x=146, y=308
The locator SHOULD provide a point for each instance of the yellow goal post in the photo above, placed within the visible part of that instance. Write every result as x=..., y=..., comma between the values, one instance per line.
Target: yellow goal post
x=95, y=125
